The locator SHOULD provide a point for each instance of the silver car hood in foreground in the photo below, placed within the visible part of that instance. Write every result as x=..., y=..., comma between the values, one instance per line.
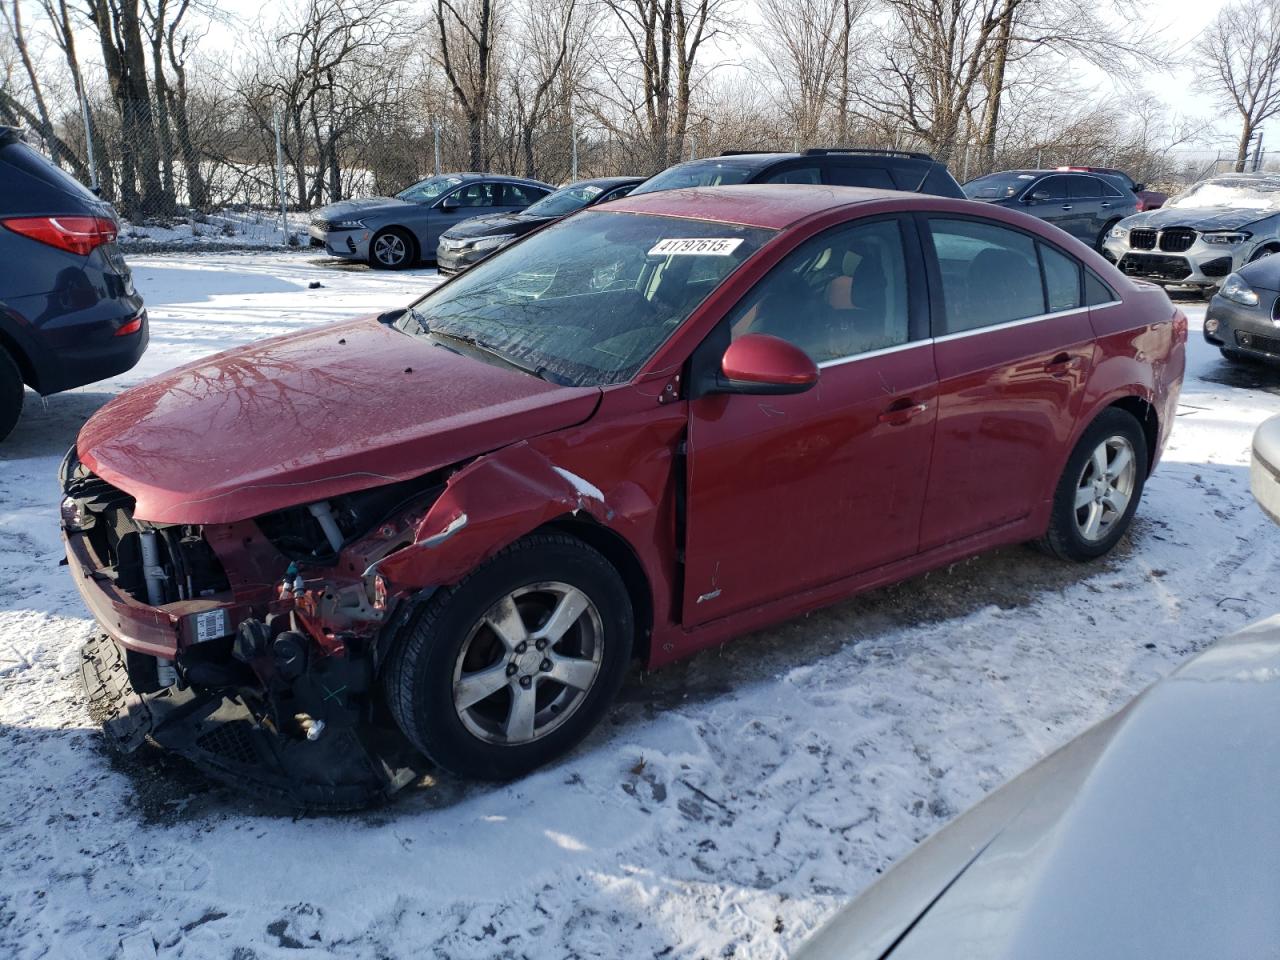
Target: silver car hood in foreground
x=1156, y=834
x=1197, y=218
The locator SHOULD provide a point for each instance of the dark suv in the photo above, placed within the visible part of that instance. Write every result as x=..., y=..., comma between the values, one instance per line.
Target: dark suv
x=69, y=314
x=1085, y=205
x=854, y=167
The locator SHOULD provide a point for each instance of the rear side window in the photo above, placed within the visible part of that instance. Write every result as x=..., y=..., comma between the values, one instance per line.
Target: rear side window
x=1084, y=188
x=1095, y=291
x=517, y=194
x=1061, y=279
x=1110, y=190
x=990, y=274
x=851, y=175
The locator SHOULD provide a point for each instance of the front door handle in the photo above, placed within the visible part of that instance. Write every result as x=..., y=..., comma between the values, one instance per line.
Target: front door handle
x=1066, y=206
x=902, y=411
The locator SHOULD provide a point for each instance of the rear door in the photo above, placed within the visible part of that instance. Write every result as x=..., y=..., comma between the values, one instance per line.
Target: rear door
x=1013, y=347
x=1085, y=194
x=787, y=493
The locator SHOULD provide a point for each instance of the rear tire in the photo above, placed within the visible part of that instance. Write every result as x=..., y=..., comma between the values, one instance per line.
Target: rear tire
x=11, y=393
x=475, y=682
x=1099, y=490
x=392, y=249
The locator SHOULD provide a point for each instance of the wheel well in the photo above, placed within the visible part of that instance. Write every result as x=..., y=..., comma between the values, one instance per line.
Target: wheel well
x=619, y=553
x=24, y=364
x=1145, y=414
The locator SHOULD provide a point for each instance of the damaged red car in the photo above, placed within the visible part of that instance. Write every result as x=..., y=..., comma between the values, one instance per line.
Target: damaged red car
x=447, y=531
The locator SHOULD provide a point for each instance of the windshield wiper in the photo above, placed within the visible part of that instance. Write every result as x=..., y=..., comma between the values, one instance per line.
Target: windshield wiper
x=480, y=346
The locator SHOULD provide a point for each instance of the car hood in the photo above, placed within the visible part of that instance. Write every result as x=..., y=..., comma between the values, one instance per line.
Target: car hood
x=1207, y=218
x=1152, y=835
x=496, y=223
x=311, y=415
x=365, y=207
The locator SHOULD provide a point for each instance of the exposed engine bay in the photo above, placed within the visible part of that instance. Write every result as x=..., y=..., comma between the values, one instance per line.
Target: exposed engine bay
x=261, y=662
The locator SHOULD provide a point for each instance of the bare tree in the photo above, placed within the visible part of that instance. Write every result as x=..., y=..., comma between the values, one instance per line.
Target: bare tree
x=1241, y=50
x=663, y=38
x=466, y=33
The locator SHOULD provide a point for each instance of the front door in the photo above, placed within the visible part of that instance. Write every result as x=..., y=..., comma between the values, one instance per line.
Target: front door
x=787, y=493
x=1013, y=352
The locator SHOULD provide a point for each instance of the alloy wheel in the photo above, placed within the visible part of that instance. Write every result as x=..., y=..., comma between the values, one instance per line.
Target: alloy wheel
x=1105, y=488
x=528, y=663
x=390, y=249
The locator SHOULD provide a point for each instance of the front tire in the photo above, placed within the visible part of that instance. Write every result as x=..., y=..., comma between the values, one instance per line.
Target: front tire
x=11, y=393
x=1100, y=487
x=514, y=665
x=392, y=249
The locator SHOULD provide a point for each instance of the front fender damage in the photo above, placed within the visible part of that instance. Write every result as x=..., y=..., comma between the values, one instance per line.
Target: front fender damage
x=487, y=505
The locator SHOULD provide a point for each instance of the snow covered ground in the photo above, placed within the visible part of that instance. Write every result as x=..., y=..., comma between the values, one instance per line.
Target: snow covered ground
x=729, y=805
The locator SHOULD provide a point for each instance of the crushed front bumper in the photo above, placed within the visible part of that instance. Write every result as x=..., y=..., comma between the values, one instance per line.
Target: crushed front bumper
x=346, y=769
x=348, y=244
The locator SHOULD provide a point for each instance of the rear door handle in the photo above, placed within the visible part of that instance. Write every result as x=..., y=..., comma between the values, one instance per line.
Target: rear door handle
x=1062, y=364
x=1106, y=205
x=1066, y=206
x=902, y=411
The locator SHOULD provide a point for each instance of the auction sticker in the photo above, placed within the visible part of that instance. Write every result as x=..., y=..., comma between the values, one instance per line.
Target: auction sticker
x=696, y=246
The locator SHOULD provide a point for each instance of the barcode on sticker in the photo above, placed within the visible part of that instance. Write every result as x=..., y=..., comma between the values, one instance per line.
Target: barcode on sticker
x=211, y=625
x=696, y=246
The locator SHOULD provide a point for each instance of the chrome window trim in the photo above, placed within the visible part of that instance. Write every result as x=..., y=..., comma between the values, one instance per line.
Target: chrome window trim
x=898, y=348
x=1008, y=324
x=946, y=337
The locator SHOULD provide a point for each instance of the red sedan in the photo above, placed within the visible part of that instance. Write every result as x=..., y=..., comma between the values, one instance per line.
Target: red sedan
x=631, y=435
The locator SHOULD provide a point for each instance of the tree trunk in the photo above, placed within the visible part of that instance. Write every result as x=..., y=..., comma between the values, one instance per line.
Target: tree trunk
x=995, y=91
x=1246, y=136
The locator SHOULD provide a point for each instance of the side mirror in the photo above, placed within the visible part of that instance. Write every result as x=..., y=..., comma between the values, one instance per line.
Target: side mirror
x=759, y=363
x=1040, y=196
x=1139, y=187
x=449, y=204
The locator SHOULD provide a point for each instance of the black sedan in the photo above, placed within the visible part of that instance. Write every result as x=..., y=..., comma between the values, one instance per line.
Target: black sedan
x=1241, y=319
x=472, y=240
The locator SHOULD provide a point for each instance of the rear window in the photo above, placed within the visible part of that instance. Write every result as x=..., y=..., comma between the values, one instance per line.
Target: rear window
x=36, y=184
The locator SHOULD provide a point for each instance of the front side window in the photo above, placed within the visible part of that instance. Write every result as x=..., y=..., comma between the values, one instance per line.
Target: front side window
x=587, y=301
x=990, y=274
x=425, y=191
x=838, y=295
x=1052, y=188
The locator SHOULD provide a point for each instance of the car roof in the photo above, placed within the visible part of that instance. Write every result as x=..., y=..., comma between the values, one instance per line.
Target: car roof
x=770, y=205
x=605, y=182
x=470, y=175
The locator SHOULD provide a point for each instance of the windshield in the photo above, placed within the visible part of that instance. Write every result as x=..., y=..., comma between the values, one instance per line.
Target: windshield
x=587, y=301
x=424, y=191
x=697, y=173
x=564, y=202
x=998, y=186
x=1230, y=192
